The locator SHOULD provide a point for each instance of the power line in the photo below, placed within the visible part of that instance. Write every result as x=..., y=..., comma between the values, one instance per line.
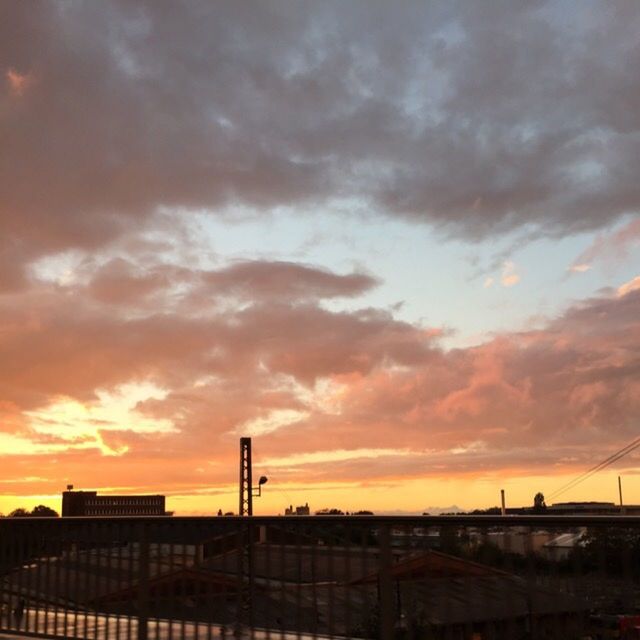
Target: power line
x=593, y=470
x=634, y=444
x=597, y=466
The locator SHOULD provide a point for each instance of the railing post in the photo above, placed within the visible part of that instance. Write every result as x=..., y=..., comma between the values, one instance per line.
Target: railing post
x=143, y=583
x=385, y=584
x=250, y=575
x=240, y=574
x=245, y=575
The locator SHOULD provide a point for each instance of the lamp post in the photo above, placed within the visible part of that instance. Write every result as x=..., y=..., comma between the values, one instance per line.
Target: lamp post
x=258, y=490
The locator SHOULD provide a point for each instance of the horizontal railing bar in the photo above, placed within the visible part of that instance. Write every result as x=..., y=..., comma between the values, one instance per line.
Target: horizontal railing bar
x=423, y=521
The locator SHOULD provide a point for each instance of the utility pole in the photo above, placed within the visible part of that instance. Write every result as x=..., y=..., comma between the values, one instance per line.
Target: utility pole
x=620, y=494
x=246, y=493
x=503, y=509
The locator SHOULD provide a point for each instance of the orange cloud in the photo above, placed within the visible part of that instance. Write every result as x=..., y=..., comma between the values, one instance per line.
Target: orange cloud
x=306, y=379
x=628, y=287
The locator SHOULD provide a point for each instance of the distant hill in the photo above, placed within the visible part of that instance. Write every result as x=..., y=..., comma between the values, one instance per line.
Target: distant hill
x=434, y=511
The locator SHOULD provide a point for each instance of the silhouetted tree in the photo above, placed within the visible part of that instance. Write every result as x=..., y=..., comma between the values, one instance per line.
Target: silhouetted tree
x=538, y=503
x=488, y=553
x=491, y=511
x=450, y=540
x=614, y=550
x=42, y=511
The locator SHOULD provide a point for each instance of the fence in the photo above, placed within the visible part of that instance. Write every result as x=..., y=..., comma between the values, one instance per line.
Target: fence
x=335, y=576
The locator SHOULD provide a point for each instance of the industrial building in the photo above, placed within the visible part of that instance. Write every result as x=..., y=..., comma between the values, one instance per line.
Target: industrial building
x=89, y=503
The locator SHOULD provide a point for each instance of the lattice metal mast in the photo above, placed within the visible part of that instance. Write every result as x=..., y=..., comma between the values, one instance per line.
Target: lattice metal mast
x=246, y=493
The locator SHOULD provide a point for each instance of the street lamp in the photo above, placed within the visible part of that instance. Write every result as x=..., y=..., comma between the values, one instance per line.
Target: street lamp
x=263, y=480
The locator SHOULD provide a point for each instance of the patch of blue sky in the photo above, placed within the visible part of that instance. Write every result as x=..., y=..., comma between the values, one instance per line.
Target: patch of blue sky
x=441, y=282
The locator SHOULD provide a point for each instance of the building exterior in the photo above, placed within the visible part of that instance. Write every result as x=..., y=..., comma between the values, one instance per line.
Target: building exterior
x=560, y=547
x=591, y=508
x=298, y=511
x=89, y=503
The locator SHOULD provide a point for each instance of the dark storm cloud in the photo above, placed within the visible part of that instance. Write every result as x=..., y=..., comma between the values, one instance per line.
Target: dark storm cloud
x=122, y=282
x=476, y=118
x=261, y=279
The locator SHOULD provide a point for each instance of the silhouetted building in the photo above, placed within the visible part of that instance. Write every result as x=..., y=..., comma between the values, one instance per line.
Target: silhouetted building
x=298, y=511
x=89, y=503
x=590, y=508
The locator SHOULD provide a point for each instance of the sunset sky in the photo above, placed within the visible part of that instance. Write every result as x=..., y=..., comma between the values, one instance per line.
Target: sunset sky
x=398, y=244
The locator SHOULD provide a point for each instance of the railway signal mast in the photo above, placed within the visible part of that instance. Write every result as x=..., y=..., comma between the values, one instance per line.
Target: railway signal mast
x=247, y=490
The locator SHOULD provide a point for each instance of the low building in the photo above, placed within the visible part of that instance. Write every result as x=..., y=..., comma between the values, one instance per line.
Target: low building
x=89, y=503
x=583, y=508
x=561, y=546
x=520, y=541
x=592, y=509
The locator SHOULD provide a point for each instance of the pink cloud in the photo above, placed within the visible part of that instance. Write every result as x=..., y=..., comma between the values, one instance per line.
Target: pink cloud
x=355, y=379
x=609, y=247
x=18, y=82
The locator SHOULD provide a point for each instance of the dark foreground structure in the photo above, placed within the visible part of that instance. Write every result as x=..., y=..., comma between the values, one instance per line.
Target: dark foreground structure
x=335, y=576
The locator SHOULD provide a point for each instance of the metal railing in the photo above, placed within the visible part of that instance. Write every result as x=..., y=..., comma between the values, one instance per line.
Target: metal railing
x=452, y=577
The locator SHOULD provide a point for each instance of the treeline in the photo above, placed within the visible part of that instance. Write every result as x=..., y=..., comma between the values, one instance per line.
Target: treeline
x=41, y=511
x=339, y=512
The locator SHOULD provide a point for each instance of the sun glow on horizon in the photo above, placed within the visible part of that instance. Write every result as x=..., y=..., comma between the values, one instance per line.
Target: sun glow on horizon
x=401, y=496
x=73, y=424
